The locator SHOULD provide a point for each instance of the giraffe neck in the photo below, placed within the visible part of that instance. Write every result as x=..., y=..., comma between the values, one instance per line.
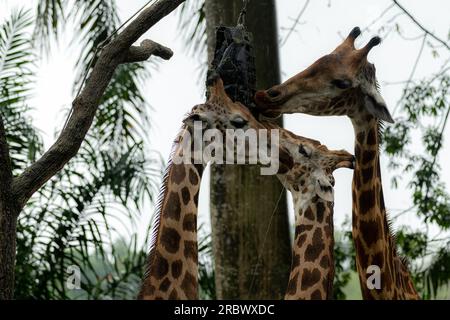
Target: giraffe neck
x=312, y=270
x=374, y=243
x=172, y=267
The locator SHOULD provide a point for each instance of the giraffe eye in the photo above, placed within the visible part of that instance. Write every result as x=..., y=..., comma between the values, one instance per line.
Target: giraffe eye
x=303, y=151
x=239, y=122
x=342, y=83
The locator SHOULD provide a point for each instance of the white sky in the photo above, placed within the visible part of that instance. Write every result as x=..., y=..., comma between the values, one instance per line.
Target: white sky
x=175, y=87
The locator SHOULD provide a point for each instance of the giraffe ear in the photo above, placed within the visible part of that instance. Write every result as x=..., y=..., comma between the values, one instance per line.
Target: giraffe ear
x=377, y=107
x=324, y=189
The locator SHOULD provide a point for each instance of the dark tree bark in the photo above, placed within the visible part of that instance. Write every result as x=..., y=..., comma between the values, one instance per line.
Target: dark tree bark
x=243, y=201
x=8, y=212
x=15, y=192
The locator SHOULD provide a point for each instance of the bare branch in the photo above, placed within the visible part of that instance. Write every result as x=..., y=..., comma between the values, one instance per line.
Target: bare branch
x=147, y=49
x=86, y=104
x=432, y=35
x=297, y=20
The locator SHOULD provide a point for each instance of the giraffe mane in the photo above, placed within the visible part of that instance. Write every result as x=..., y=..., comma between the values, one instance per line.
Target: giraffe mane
x=156, y=220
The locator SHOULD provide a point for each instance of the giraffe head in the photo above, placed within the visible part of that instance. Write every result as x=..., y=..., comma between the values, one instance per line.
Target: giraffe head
x=221, y=113
x=314, y=165
x=326, y=87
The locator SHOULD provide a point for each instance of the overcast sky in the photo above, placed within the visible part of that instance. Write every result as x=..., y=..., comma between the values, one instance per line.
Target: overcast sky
x=175, y=88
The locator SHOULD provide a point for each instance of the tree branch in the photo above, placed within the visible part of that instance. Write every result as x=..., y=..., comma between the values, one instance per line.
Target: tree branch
x=445, y=44
x=147, y=49
x=86, y=104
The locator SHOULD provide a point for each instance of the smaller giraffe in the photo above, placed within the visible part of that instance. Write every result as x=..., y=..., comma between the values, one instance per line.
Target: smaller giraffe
x=172, y=266
x=311, y=183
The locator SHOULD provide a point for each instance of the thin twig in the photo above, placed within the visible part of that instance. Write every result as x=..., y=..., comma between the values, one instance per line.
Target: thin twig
x=291, y=30
x=444, y=43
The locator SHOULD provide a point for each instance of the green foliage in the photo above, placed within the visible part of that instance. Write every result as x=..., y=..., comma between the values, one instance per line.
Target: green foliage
x=414, y=144
x=87, y=215
x=206, y=273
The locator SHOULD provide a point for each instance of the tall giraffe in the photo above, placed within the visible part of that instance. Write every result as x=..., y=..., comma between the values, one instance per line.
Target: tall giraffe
x=311, y=184
x=344, y=83
x=172, y=266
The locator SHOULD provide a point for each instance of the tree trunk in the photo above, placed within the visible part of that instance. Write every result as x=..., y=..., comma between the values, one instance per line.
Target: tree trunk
x=8, y=221
x=244, y=203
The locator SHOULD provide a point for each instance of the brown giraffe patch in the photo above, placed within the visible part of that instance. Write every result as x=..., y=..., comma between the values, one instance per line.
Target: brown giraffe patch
x=178, y=173
x=309, y=214
x=148, y=291
x=292, y=285
x=193, y=178
x=320, y=211
x=360, y=138
x=370, y=233
x=190, y=222
x=296, y=261
x=324, y=262
x=371, y=137
x=185, y=195
x=170, y=239
x=161, y=266
x=310, y=278
x=301, y=239
x=367, y=174
x=314, y=250
x=177, y=268
x=316, y=295
x=164, y=286
x=172, y=209
x=366, y=201
x=368, y=156
x=190, y=250
x=173, y=295
x=189, y=285
x=302, y=228
x=196, y=196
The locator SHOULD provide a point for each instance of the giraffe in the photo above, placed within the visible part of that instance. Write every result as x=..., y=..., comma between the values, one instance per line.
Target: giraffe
x=344, y=83
x=311, y=183
x=172, y=263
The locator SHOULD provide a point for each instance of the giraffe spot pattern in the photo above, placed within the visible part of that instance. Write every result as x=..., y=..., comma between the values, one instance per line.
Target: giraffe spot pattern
x=190, y=250
x=161, y=266
x=164, y=286
x=371, y=137
x=368, y=156
x=295, y=261
x=309, y=214
x=170, y=239
x=314, y=250
x=320, y=211
x=190, y=222
x=178, y=173
x=366, y=201
x=193, y=178
x=324, y=262
x=309, y=278
x=189, y=286
x=367, y=174
x=177, y=268
x=172, y=209
x=370, y=232
x=301, y=240
x=173, y=295
x=316, y=295
x=292, y=285
x=185, y=195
